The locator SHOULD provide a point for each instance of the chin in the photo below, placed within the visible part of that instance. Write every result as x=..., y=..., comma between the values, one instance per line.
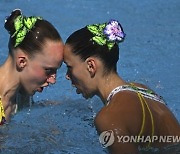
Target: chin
x=85, y=96
x=31, y=93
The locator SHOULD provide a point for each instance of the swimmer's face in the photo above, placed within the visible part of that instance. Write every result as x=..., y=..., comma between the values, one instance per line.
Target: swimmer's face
x=78, y=73
x=41, y=69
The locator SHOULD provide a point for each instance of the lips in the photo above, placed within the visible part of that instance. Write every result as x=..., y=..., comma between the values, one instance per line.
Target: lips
x=78, y=91
x=40, y=89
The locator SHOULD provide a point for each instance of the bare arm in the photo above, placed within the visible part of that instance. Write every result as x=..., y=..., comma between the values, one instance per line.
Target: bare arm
x=112, y=136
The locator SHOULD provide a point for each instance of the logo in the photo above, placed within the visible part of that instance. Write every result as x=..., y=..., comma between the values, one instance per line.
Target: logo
x=106, y=138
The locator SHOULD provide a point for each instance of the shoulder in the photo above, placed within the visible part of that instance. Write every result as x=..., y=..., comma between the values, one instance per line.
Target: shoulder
x=113, y=122
x=122, y=112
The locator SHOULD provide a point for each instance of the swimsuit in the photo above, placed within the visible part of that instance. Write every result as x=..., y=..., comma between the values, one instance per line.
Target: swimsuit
x=2, y=114
x=142, y=94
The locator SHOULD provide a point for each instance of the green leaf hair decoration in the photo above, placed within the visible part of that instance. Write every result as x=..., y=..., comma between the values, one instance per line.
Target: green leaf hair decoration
x=107, y=33
x=22, y=26
x=99, y=37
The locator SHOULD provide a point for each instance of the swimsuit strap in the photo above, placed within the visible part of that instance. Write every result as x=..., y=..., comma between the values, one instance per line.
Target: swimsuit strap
x=143, y=101
x=2, y=114
x=145, y=92
x=142, y=93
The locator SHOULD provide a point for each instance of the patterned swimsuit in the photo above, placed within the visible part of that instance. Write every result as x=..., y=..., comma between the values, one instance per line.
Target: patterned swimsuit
x=2, y=114
x=144, y=92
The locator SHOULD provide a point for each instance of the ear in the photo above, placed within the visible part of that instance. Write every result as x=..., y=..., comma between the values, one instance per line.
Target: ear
x=91, y=66
x=21, y=61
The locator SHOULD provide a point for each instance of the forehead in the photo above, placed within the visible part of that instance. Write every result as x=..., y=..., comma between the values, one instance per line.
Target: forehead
x=51, y=54
x=68, y=54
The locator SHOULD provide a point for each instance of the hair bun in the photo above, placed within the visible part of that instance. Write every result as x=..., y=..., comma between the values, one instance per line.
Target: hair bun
x=9, y=22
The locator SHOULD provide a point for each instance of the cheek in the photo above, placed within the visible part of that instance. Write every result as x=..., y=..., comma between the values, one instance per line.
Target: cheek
x=79, y=77
x=76, y=75
x=39, y=75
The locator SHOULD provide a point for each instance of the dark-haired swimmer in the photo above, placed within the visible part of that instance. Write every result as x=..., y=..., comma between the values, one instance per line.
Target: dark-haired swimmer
x=35, y=54
x=130, y=109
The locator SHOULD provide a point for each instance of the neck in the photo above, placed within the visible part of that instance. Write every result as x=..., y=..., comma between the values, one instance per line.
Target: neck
x=107, y=84
x=9, y=81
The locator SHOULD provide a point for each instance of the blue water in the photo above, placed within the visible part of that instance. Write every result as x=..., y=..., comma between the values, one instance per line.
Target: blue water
x=61, y=121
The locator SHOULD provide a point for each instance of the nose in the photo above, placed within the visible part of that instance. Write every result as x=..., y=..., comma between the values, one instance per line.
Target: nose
x=52, y=79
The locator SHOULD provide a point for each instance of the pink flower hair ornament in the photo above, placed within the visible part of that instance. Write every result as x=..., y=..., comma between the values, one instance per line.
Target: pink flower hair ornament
x=107, y=33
